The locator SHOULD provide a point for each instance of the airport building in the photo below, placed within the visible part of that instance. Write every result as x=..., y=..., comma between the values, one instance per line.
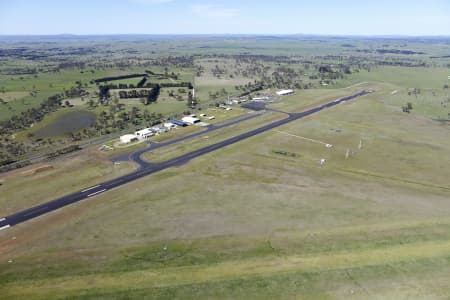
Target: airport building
x=285, y=92
x=178, y=123
x=145, y=134
x=128, y=138
x=190, y=120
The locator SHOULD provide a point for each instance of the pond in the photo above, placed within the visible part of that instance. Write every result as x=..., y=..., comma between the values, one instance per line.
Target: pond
x=69, y=122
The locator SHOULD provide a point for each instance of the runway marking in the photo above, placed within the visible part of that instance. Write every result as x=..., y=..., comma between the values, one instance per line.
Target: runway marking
x=91, y=188
x=305, y=138
x=96, y=193
x=2, y=219
x=5, y=227
x=357, y=84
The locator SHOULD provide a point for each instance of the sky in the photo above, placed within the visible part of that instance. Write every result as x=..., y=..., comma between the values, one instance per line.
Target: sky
x=325, y=17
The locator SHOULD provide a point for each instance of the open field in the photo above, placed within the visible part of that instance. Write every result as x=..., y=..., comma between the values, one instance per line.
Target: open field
x=429, y=78
x=20, y=191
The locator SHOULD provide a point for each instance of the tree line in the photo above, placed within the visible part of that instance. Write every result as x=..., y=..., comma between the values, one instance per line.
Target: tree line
x=122, y=86
x=114, y=78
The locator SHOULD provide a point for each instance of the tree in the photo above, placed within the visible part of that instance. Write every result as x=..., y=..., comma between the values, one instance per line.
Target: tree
x=91, y=103
x=407, y=108
x=154, y=94
x=190, y=100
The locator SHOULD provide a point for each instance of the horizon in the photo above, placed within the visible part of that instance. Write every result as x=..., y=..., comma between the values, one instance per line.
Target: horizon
x=200, y=17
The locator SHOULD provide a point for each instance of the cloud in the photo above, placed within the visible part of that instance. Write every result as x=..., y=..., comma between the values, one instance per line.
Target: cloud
x=212, y=11
x=151, y=1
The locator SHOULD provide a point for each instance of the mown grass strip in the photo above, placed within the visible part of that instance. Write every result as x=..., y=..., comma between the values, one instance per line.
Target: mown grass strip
x=228, y=270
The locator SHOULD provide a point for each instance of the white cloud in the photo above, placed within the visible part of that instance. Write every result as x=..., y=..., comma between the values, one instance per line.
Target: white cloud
x=151, y=1
x=212, y=11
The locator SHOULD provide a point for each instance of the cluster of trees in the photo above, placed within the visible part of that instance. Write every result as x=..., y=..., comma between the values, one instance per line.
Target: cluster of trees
x=75, y=92
x=177, y=84
x=134, y=94
x=103, y=91
x=69, y=149
x=183, y=61
x=252, y=87
x=32, y=115
x=284, y=72
x=11, y=165
x=105, y=88
x=217, y=71
x=118, y=118
x=402, y=63
x=407, y=108
x=10, y=150
x=149, y=96
x=121, y=86
x=166, y=74
x=390, y=51
x=71, y=65
x=217, y=94
x=414, y=91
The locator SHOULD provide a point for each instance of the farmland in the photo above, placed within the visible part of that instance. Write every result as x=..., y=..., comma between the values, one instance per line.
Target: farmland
x=262, y=218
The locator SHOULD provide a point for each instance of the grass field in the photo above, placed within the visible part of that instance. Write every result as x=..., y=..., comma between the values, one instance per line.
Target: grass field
x=20, y=191
x=250, y=222
x=17, y=88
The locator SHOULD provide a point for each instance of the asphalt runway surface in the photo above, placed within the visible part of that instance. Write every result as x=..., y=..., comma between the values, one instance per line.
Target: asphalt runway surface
x=151, y=168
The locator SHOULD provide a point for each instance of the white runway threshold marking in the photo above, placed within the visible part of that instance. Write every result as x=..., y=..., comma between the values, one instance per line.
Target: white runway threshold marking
x=91, y=188
x=96, y=193
x=4, y=227
x=2, y=219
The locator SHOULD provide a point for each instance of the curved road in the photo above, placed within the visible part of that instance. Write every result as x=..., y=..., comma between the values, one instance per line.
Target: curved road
x=150, y=168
